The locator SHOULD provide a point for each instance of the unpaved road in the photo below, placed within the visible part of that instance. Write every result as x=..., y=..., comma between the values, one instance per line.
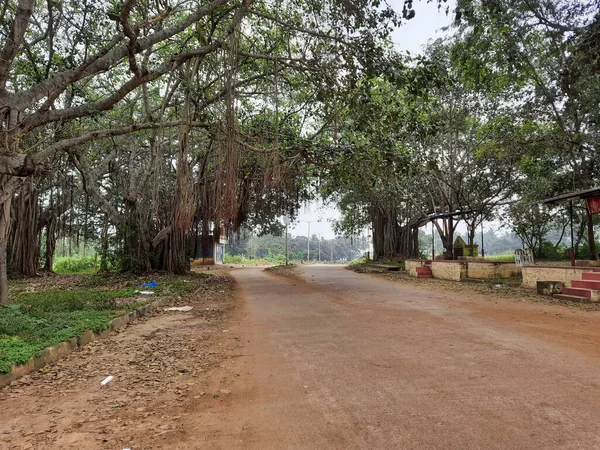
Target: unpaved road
x=331, y=360
x=348, y=361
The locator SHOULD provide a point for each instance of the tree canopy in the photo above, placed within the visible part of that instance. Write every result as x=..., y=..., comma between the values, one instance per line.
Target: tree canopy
x=142, y=128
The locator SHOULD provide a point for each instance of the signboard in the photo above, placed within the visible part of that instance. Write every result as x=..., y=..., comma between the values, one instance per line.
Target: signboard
x=593, y=205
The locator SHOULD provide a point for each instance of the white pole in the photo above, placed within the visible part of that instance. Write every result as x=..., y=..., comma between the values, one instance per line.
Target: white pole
x=308, y=259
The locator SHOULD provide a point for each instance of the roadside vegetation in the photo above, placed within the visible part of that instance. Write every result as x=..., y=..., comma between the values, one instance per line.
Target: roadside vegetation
x=51, y=310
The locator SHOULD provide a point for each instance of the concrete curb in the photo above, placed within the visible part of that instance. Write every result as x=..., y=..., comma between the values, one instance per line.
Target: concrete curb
x=52, y=354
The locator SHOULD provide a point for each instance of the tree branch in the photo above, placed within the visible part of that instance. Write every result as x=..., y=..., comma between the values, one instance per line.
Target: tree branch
x=17, y=34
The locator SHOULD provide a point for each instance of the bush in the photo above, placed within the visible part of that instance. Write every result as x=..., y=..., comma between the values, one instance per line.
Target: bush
x=76, y=264
x=550, y=252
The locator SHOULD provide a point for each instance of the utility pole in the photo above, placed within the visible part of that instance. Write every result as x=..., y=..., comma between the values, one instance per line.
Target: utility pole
x=309, y=222
x=308, y=253
x=286, y=221
x=319, y=235
x=482, y=250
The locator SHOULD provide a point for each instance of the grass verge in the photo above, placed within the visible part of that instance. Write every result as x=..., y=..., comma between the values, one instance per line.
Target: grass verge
x=41, y=316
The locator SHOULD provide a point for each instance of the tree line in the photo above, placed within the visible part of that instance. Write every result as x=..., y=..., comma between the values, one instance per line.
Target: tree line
x=498, y=116
x=144, y=127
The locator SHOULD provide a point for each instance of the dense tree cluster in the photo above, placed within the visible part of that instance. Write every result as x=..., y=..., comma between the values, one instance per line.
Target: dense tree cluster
x=142, y=127
x=507, y=116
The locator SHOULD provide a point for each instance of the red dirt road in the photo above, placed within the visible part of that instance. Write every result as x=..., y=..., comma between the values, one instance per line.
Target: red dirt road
x=331, y=360
x=348, y=361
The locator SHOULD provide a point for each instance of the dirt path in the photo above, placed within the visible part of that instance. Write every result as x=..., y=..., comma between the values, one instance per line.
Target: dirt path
x=343, y=361
x=335, y=360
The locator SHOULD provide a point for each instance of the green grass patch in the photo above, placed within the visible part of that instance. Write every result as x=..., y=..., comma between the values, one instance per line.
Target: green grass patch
x=76, y=264
x=241, y=259
x=500, y=258
x=357, y=261
x=42, y=318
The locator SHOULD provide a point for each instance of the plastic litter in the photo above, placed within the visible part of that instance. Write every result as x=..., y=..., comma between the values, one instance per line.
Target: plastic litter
x=106, y=380
x=150, y=284
x=180, y=308
x=146, y=292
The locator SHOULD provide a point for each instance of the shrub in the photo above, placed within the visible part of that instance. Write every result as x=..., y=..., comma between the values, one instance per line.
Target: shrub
x=76, y=264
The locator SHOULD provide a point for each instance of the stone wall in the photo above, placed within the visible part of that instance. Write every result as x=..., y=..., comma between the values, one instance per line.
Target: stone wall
x=492, y=269
x=533, y=274
x=411, y=266
x=449, y=270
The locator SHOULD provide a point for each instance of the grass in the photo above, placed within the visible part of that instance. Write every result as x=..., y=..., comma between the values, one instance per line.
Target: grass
x=45, y=317
x=500, y=258
x=357, y=261
x=241, y=259
x=76, y=265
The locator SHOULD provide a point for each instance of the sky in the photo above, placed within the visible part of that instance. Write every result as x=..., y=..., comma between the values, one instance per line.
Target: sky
x=411, y=36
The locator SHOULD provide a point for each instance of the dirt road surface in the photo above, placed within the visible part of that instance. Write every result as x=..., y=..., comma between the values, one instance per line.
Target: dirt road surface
x=329, y=360
x=348, y=361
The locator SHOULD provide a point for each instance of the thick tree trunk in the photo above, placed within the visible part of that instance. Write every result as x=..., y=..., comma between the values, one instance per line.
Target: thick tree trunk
x=136, y=252
x=24, y=237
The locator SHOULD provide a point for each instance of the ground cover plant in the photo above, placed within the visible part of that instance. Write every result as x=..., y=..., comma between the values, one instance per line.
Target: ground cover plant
x=45, y=314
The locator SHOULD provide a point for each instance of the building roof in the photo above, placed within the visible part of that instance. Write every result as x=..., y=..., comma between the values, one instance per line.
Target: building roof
x=576, y=195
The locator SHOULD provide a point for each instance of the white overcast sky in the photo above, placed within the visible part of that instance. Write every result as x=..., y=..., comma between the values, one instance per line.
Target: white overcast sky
x=411, y=36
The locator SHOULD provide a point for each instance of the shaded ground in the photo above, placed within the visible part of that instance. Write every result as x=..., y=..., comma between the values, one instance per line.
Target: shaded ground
x=160, y=366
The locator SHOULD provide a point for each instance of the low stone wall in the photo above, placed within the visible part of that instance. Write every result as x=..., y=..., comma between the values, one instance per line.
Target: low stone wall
x=565, y=274
x=411, y=266
x=492, y=269
x=449, y=270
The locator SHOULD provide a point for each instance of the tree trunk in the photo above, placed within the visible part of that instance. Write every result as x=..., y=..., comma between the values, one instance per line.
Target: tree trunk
x=50, y=245
x=24, y=236
x=471, y=236
x=104, y=246
x=4, y=229
x=591, y=238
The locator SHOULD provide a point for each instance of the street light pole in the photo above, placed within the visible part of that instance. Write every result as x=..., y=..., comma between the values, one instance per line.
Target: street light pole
x=308, y=241
x=308, y=246
x=319, y=235
x=482, y=249
x=286, y=221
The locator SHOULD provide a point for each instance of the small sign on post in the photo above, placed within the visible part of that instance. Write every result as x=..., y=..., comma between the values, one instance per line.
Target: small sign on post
x=593, y=205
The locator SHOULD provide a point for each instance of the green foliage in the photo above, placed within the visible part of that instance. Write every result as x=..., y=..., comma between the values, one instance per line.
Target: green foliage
x=241, y=259
x=76, y=264
x=552, y=252
x=357, y=261
x=14, y=351
x=36, y=320
x=71, y=300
